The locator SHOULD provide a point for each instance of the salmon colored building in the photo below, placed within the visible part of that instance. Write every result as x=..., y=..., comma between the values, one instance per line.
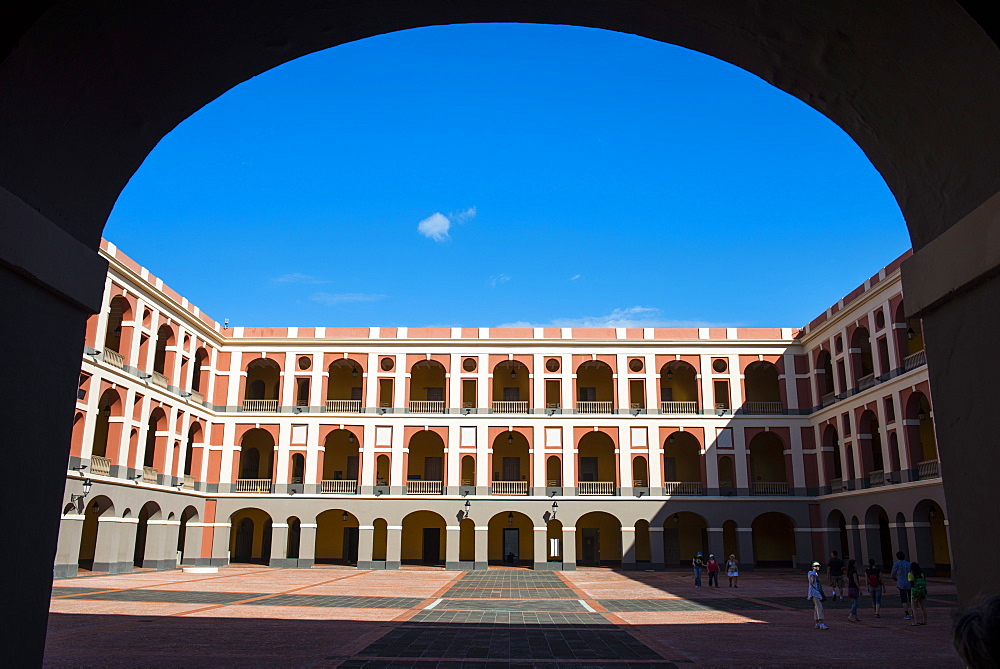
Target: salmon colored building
x=203, y=444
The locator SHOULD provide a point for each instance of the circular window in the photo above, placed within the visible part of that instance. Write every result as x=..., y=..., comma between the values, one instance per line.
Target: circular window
x=469, y=364
x=720, y=365
x=305, y=362
x=386, y=364
x=552, y=365
x=879, y=319
x=635, y=364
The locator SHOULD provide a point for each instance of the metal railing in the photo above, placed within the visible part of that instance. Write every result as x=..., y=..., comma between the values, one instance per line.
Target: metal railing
x=594, y=407
x=100, y=465
x=253, y=485
x=510, y=407
x=150, y=474
x=509, y=488
x=876, y=478
x=769, y=488
x=267, y=406
x=928, y=469
x=339, y=487
x=866, y=382
x=426, y=406
x=682, y=488
x=763, y=408
x=596, y=487
x=114, y=358
x=836, y=485
x=188, y=481
x=160, y=380
x=679, y=407
x=425, y=487
x=913, y=361
x=344, y=406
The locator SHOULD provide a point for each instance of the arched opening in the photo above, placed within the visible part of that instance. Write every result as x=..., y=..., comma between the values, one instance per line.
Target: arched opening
x=678, y=388
x=862, y=364
x=763, y=391
x=640, y=472
x=250, y=536
x=642, y=553
x=727, y=475
x=870, y=443
x=684, y=535
x=595, y=391
x=596, y=465
x=468, y=470
x=730, y=540
x=149, y=511
x=382, y=470
x=920, y=438
x=423, y=539
x=825, y=387
x=199, y=374
x=428, y=387
x=553, y=471
x=511, y=540
x=298, y=469
x=511, y=387
x=155, y=450
x=263, y=385
x=99, y=506
x=163, y=360
x=467, y=541
x=293, y=544
x=774, y=540
x=930, y=536
x=511, y=464
x=194, y=432
x=337, y=535
x=341, y=462
x=879, y=539
x=836, y=533
x=345, y=386
x=682, y=465
x=902, y=541
x=256, y=459
x=554, y=540
x=425, y=465
x=105, y=431
x=768, y=472
x=598, y=540
x=833, y=458
x=380, y=540
x=117, y=336
x=188, y=549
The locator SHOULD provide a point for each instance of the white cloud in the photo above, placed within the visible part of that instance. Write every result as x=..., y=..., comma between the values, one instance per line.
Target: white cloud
x=298, y=277
x=437, y=225
x=498, y=279
x=574, y=277
x=628, y=317
x=331, y=299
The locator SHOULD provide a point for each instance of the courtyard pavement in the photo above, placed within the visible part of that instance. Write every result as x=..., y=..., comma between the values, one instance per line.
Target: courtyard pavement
x=247, y=616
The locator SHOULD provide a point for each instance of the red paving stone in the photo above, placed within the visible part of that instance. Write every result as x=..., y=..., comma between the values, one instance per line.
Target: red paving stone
x=97, y=632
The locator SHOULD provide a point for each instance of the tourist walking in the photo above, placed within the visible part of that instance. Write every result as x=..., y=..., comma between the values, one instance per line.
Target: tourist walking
x=918, y=592
x=698, y=563
x=901, y=572
x=853, y=590
x=816, y=595
x=733, y=571
x=875, y=587
x=713, y=571
x=835, y=571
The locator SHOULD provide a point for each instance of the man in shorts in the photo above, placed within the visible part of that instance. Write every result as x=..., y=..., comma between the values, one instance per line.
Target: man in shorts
x=835, y=570
x=900, y=571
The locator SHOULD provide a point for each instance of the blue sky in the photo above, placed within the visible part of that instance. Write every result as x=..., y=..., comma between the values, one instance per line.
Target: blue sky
x=488, y=175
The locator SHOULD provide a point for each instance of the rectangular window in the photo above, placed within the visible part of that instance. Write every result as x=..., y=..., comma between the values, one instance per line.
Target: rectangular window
x=385, y=392
x=721, y=394
x=552, y=398
x=637, y=394
x=469, y=393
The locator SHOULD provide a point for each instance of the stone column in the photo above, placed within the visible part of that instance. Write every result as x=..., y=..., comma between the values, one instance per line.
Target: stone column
x=569, y=548
x=540, y=543
x=161, y=544
x=307, y=546
x=452, y=537
x=192, y=543
x=279, y=546
x=366, y=547
x=804, y=548
x=482, y=547
x=744, y=539
x=220, y=544
x=127, y=528
x=394, y=547
x=106, y=550
x=68, y=548
x=656, y=557
x=628, y=548
x=716, y=545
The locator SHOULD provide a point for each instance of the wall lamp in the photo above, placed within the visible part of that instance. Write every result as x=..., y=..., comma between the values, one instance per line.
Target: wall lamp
x=185, y=393
x=555, y=507
x=145, y=375
x=136, y=478
x=510, y=518
x=343, y=517
x=721, y=411
x=95, y=353
x=378, y=493
x=468, y=508
x=910, y=334
x=87, y=483
x=79, y=468
x=297, y=409
x=922, y=415
x=381, y=410
x=510, y=437
x=552, y=412
x=466, y=411
x=636, y=412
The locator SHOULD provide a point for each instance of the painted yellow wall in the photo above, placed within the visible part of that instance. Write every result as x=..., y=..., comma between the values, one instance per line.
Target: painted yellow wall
x=610, y=541
x=599, y=445
x=498, y=524
x=330, y=534
x=413, y=533
x=773, y=538
x=467, y=540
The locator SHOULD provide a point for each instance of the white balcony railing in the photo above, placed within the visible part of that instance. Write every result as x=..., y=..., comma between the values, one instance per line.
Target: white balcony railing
x=836, y=485
x=866, y=382
x=338, y=487
x=264, y=406
x=150, y=474
x=597, y=487
x=427, y=406
x=876, y=478
x=114, y=358
x=253, y=485
x=510, y=407
x=425, y=487
x=914, y=361
x=509, y=488
x=763, y=408
x=594, y=407
x=188, y=481
x=769, y=488
x=682, y=488
x=344, y=406
x=100, y=465
x=928, y=469
x=679, y=407
x=160, y=380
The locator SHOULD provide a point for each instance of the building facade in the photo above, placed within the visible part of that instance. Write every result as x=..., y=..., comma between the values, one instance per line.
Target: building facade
x=550, y=448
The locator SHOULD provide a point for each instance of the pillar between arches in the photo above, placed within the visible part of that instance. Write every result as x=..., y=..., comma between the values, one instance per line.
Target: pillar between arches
x=452, y=536
x=569, y=548
x=804, y=548
x=482, y=552
x=220, y=555
x=628, y=549
x=657, y=558
x=192, y=543
x=744, y=539
x=127, y=528
x=68, y=549
x=279, y=546
x=716, y=544
x=161, y=544
x=394, y=547
x=307, y=545
x=366, y=548
x=540, y=537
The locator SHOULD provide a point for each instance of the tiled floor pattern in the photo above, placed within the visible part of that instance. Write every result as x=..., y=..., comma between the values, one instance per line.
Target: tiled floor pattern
x=433, y=618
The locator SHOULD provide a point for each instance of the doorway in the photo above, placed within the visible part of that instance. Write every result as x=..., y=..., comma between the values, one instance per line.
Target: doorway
x=511, y=545
x=591, y=547
x=432, y=545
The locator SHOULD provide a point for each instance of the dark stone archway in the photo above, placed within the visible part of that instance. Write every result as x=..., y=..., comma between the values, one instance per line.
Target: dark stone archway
x=87, y=89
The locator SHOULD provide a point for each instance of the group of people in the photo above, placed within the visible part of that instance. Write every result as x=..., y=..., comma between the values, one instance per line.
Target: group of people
x=712, y=566
x=909, y=577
